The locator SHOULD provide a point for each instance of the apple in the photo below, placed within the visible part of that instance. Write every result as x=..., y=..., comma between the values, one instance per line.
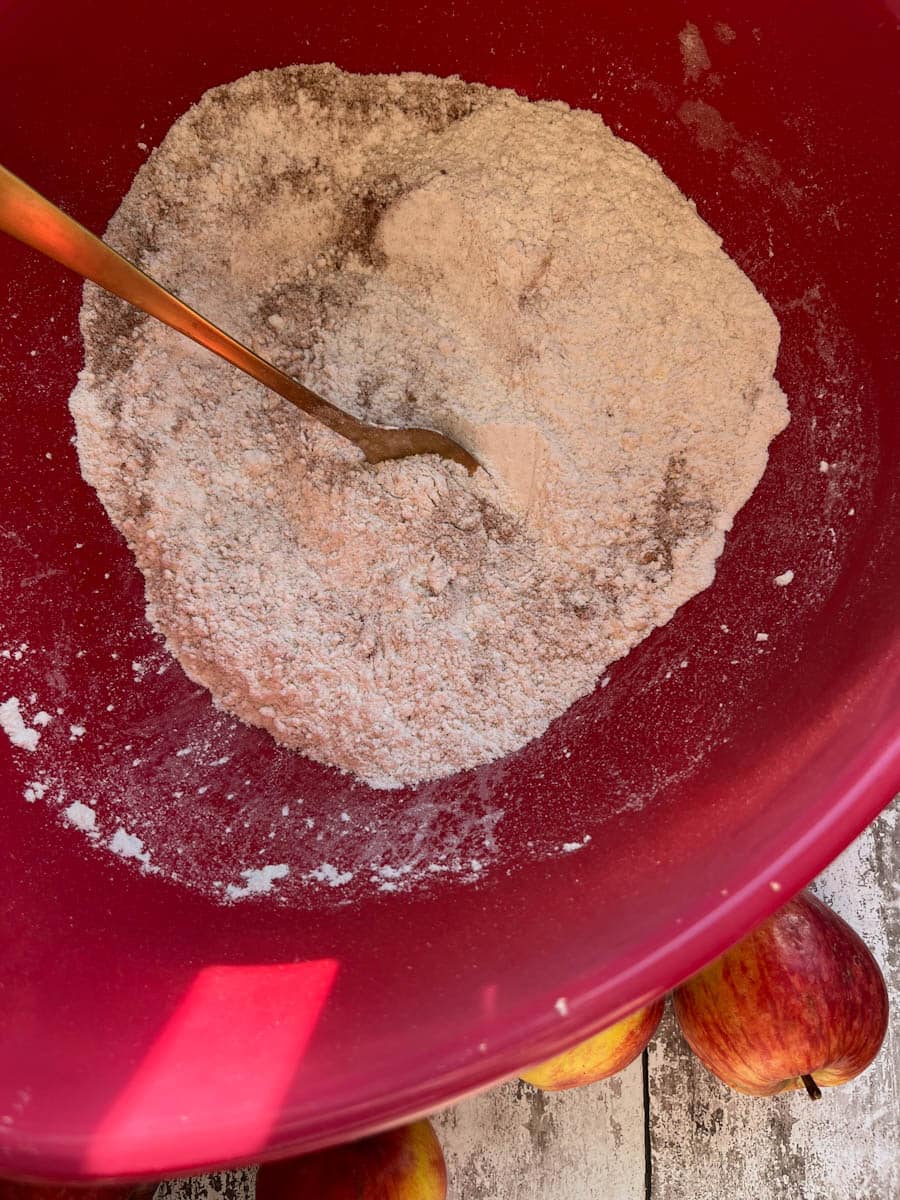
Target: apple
x=401, y=1164
x=600, y=1056
x=800, y=1002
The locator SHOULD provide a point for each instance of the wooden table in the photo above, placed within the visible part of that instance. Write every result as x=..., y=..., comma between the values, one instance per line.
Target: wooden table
x=665, y=1129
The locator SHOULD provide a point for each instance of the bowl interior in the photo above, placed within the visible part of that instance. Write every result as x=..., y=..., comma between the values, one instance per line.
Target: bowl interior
x=147, y=1027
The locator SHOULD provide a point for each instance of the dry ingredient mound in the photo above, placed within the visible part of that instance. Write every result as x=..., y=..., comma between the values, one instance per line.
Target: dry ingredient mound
x=426, y=251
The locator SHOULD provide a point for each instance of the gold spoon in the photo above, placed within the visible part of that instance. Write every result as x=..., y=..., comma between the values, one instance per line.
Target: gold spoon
x=28, y=216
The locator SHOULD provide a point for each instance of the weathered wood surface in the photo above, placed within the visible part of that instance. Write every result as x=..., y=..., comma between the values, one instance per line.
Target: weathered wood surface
x=516, y=1143
x=222, y=1185
x=710, y=1142
x=705, y=1142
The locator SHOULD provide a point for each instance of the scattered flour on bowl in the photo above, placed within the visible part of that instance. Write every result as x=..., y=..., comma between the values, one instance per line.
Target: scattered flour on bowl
x=13, y=725
x=432, y=252
x=259, y=881
x=129, y=845
x=82, y=816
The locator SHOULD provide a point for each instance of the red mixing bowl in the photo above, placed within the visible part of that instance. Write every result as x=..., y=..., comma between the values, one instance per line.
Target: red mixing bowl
x=148, y=1028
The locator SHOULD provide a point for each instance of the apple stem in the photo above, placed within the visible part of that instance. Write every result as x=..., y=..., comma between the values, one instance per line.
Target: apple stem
x=812, y=1088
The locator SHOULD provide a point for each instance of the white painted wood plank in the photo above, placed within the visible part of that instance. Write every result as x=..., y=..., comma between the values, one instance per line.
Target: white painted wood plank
x=516, y=1143
x=220, y=1185
x=709, y=1142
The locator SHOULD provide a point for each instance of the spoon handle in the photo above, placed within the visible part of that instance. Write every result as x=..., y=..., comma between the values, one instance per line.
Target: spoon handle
x=28, y=216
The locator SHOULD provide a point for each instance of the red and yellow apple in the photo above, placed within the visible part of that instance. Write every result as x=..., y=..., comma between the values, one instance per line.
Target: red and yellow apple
x=800, y=1002
x=401, y=1164
x=603, y=1055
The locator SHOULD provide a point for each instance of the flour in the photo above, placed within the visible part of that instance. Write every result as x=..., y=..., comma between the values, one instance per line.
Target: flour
x=327, y=873
x=82, y=816
x=259, y=881
x=13, y=725
x=129, y=845
x=431, y=252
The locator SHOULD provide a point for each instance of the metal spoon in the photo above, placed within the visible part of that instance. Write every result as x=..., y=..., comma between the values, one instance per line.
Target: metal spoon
x=28, y=216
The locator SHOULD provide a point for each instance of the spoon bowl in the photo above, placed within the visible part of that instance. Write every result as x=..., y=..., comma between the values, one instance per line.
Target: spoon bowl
x=27, y=215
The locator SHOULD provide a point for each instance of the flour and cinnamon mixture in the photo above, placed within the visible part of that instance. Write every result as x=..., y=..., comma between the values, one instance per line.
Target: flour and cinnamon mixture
x=420, y=251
